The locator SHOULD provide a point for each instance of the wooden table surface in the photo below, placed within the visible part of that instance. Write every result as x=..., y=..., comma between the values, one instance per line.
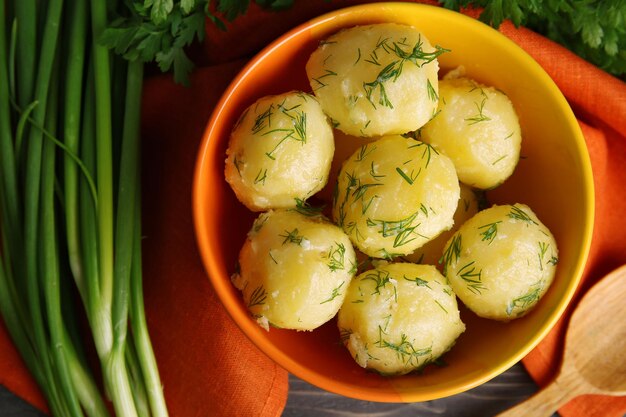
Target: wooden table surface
x=306, y=400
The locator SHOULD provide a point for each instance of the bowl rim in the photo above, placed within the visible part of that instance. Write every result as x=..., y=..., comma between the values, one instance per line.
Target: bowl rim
x=250, y=328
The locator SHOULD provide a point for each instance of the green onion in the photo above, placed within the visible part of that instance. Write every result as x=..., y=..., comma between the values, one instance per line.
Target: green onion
x=70, y=162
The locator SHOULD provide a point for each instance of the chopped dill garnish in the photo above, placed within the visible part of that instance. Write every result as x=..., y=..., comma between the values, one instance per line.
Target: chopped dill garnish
x=259, y=222
x=354, y=267
x=442, y=307
x=519, y=214
x=361, y=189
x=452, y=252
x=341, y=217
x=543, y=249
x=404, y=349
x=472, y=278
x=237, y=163
x=351, y=228
x=388, y=73
x=336, y=257
x=525, y=300
x=380, y=279
x=373, y=57
x=272, y=257
x=288, y=110
x=304, y=208
x=263, y=120
x=297, y=133
x=428, y=149
x=491, y=231
x=499, y=159
x=390, y=256
x=358, y=58
x=373, y=173
x=393, y=70
x=261, y=176
x=387, y=320
x=352, y=100
x=292, y=237
x=364, y=151
x=409, y=178
x=344, y=334
x=366, y=204
x=258, y=297
x=480, y=117
x=434, y=113
x=319, y=81
x=403, y=229
x=432, y=94
x=334, y=294
x=477, y=87
x=418, y=281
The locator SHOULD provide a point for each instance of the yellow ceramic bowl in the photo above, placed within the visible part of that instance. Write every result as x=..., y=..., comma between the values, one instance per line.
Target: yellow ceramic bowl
x=554, y=178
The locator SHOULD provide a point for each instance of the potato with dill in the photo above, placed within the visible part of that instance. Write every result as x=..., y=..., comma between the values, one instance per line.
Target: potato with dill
x=395, y=194
x=376, y=80
x=280, y=151
x=501, y=261
x=294, y=269
x=430, y=253
x=399, y=317
x=478, y=128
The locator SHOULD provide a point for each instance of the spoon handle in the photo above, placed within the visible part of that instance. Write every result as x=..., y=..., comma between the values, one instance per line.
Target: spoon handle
x=547, y=401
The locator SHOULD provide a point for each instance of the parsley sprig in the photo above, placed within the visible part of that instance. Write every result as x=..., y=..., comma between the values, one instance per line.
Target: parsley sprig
x=593, y=29
x=160, y=30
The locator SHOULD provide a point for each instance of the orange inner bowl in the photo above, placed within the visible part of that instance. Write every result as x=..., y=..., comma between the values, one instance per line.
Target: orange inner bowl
x=553, y=177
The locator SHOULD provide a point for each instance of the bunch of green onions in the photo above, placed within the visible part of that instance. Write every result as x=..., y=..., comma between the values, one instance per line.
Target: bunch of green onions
x=70, y=232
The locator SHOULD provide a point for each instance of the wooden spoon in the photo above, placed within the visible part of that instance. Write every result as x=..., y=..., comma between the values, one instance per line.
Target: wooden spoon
x=594, y=360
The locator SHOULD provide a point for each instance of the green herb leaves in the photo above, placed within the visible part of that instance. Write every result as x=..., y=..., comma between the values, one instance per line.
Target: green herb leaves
x=392, y=71
x=159, y=30
x=161, y=9
x=594, y=29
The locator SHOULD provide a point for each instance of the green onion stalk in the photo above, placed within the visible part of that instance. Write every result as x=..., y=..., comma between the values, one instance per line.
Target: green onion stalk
x=70, y=216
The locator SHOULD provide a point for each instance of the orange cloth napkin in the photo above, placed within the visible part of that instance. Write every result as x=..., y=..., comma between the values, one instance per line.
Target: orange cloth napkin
x=208, y=367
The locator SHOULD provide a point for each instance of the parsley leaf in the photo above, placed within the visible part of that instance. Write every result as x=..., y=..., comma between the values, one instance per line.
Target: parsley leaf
x=232, y=8
x=177, y=58
x=593, y=29
x=160, y=10
x=275, y=4
x=160, y=30
x=187, y=5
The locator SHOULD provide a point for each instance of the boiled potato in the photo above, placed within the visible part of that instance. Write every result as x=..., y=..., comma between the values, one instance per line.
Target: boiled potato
x=395, y=194
x=501, y=261
x=280, y=151
x=430, y=253
x=478, y=128
x=399, y=317
x=376, y=80
x=294, y=269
